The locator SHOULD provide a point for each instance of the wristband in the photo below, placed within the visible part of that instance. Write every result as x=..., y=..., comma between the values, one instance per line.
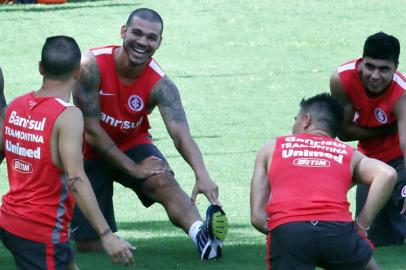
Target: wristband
x=360, y=226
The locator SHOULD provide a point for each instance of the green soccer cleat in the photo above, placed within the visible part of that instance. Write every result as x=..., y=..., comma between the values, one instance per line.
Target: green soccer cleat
x=217, y=221
x=211, y=234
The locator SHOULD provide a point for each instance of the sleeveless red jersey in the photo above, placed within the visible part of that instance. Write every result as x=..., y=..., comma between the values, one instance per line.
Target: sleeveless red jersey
x=373, y=112
x=309, y=177
x=124, y=113
x=39, y=204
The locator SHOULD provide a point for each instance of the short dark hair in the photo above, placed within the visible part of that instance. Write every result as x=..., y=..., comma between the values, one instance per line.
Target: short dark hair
x=382, y=46
x=146, y=14
x=60, y=56
x=326, y=111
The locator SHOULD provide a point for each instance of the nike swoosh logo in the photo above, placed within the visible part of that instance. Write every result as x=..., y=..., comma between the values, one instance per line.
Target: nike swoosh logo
x=102, y=93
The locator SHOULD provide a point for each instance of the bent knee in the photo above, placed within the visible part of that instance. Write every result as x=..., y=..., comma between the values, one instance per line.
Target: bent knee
x=161, y=182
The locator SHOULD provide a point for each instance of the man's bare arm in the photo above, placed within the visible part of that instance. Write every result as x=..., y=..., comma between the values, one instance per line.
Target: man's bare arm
x=260, y=188
x=381, y=178
x=400, y=111
x=351, y=131
x=166, y=96
x=86, y=97
x=69, y=132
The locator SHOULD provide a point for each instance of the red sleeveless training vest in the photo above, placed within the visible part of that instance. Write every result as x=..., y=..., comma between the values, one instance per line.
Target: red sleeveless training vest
x=124, y=113
x=373, y=112
x=309, y=177
x=39, y=204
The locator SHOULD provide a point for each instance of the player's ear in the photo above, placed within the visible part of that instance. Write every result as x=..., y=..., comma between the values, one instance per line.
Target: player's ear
x=40, y=68
x=307, y=120
x=76, y=73
x=123, y=31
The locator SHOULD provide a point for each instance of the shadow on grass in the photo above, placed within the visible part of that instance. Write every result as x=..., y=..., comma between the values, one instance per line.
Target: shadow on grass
x=77, y=5
x=162, y=246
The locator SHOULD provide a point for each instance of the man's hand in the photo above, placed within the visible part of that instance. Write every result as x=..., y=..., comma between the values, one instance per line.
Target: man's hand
x=118, y=249
x=149, y=167
x=206, y=186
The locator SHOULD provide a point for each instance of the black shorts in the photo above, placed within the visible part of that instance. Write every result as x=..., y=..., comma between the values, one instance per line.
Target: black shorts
x=388, y=227
x=30, y=255
x=305, y=245
x=102, y=174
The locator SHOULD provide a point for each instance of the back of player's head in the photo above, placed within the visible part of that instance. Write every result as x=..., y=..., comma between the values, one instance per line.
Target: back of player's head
x=382, y=46
x=326, y=111
x=146, y=14
x=60, y=56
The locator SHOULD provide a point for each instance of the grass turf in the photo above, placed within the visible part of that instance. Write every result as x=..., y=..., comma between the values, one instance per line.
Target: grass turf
x=242, y=67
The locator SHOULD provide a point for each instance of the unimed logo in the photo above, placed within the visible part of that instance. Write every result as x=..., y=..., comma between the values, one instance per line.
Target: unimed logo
x=311, y=162
x=22, y=166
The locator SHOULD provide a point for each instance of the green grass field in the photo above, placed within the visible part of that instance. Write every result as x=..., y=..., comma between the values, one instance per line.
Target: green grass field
x=242, y=66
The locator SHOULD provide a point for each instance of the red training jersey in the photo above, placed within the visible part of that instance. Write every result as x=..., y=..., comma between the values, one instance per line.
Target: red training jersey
x=309, y=177
x=124, y=112
x=39, y=204
x=373, y=112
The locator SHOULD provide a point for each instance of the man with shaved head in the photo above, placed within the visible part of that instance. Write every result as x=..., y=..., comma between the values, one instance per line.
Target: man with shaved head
x=119, y=87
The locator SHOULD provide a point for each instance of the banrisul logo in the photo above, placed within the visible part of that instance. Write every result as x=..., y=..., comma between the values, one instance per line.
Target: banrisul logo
x=380, y=115
x=135, y=103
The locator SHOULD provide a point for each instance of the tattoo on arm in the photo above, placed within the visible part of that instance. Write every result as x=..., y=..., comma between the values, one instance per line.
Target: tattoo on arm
x=167, y=98
x=72, y=182
x=85, y=92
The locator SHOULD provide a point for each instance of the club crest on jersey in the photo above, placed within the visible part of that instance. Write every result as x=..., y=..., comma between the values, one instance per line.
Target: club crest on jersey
x=135, y=103
x=380, y=115
x=356, y=116
x=403, y=192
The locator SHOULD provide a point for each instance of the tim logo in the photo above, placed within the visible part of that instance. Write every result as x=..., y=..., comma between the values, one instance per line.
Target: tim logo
x=380, y=115
x=311, y=162
x=135, y=103
x=22, y=166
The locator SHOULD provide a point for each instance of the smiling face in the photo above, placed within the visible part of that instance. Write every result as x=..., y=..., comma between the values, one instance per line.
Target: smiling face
x=377, y=74
x=141, y=38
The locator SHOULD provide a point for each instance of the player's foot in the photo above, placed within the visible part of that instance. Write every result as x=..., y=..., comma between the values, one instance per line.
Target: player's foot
x=212, y=232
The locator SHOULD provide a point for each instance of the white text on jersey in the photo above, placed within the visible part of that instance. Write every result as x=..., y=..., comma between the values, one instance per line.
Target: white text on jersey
x=23, y=135
x=26, y=122
x=119, y=123
x=22, y=151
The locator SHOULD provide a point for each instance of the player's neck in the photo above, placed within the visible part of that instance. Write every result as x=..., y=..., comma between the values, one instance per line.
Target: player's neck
x=53, y=88
x=319, y=132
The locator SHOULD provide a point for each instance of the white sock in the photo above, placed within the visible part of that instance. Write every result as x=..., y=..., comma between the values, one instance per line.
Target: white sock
x=194, y=229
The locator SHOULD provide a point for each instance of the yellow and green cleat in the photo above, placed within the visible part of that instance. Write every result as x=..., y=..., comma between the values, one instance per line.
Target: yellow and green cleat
x=212, y=233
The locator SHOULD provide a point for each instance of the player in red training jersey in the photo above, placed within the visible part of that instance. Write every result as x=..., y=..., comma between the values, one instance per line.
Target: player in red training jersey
x=373, y=92
x=42, y=144
x=119, y=87
x=299, y=193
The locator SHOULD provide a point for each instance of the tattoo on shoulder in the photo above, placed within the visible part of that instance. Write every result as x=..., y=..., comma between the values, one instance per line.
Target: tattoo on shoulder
x=85, y=92
x=72, y=182
x=168, y=100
